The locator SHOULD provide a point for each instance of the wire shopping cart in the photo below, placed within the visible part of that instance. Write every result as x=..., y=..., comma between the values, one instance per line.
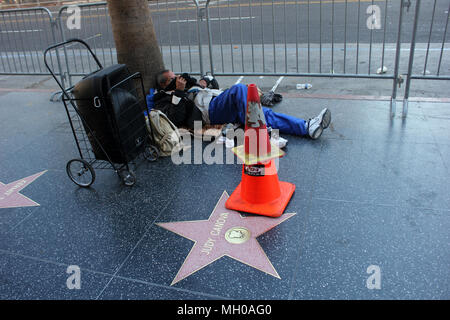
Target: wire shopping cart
x=106, y=115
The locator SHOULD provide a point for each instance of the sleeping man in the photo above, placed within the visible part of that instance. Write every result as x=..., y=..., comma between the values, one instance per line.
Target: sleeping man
x=184, y=100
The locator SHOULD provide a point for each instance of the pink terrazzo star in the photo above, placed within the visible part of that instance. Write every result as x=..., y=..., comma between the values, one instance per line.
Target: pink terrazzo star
x=10, y=196
x=225, y=233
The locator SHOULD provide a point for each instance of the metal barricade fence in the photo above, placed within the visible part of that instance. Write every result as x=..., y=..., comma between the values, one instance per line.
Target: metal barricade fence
x=24, y=35
x=250, y=37
x=323, y=38
x=180, y=53
x=314, y=38
x=178, y=30
x=17, y=4
x=95, y=29
x=428, y=60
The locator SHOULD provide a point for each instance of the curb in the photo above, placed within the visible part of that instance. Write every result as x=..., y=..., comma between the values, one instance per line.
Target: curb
x=285, y=95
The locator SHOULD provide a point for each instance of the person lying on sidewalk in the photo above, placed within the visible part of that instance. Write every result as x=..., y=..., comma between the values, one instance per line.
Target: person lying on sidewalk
x=184, y=100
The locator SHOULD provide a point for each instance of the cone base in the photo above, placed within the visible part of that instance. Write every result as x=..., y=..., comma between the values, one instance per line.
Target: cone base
x=274, y=208
x=250, y=159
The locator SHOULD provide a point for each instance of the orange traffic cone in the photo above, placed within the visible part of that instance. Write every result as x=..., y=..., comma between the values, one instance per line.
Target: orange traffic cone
x=260, y=191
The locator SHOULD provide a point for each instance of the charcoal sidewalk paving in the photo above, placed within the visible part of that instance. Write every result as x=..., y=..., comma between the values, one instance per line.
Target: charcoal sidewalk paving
x=371, y=191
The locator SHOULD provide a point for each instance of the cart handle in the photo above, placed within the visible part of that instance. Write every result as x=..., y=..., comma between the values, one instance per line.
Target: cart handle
x=62, y=44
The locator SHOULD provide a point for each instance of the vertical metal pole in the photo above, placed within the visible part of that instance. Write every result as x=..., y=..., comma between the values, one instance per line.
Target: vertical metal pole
x=200, y=54
x=309, y=42
x=296, y=33
x=384, y=35
x=285, y=39
x=320, y=36
x=108, y=31
x=59, y=23
x=332, y=37
x=221, y=37
x=370, y=45
x=31, y=51
x=429, y=38
x=443, y=42
x=159, y=27
x=262, y=39
x=251, y=34
x=241, y=35
x=411, y=60
x=54, y=25
x=64, y=38
x=170, y=35
x=94, y=40
x=357, y=37
x=273, y=39
x=345, y=33
x=397, y=59
x=178, y=35
x=208, y=26
x=47, y=39
x=87, y=38
x=40, y=41
x=231, y=37
x=102, y=42
x=188, y=27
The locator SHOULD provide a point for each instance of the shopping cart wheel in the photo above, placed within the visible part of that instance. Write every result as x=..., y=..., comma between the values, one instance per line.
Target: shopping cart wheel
x=151, y=153
x=128, y=177
x=80, y=172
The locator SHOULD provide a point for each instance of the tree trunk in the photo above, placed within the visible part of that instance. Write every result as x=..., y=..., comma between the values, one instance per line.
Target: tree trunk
x=135, y=38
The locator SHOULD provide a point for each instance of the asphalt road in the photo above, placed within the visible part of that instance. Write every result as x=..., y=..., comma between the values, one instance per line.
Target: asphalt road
x=241, y=22
x=283, y=26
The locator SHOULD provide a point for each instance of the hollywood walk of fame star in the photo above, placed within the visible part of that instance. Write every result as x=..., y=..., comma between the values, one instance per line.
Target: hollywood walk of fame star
x=10, y=196
x=225, y=233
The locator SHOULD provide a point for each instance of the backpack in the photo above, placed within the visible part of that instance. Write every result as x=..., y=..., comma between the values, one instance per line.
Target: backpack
x=165, y=134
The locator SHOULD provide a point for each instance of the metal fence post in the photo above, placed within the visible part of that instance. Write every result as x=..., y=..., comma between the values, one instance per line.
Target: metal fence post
x=63, y=38
x=397, y=60
x=199, y=37
x=411, y=60
x=208, y=27
x=54, y=25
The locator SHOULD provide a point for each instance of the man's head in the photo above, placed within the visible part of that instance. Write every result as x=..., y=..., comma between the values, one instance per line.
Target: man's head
x=164, y=78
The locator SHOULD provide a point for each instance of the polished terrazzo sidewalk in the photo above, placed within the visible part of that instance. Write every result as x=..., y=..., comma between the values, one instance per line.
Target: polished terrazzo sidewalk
x=373, y=191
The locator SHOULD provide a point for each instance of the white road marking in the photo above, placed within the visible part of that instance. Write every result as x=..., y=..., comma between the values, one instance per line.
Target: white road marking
x=86, y=39
x=170, y=2
x=277, y=84
x=214, y=19
x=239, y=80
x=21, y=31
x=210, y=3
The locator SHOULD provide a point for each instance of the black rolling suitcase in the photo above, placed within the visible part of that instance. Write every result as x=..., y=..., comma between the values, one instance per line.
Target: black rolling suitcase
x=112, y=113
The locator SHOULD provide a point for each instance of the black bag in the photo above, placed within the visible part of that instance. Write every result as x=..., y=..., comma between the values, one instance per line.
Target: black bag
x=115, y=119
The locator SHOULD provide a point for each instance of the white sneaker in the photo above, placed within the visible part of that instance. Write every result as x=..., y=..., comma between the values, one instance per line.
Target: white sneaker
x=278, y=141
x=316, y=125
